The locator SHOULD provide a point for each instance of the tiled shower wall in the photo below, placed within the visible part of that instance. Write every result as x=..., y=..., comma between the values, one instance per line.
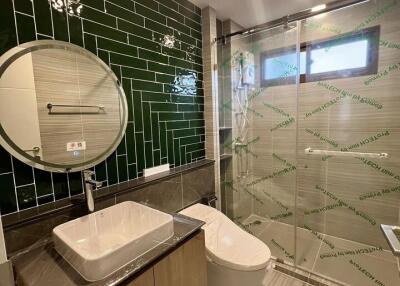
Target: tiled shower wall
x=154, y=48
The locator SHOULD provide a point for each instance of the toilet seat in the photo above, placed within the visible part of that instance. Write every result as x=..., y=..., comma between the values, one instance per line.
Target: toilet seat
x=227, y=244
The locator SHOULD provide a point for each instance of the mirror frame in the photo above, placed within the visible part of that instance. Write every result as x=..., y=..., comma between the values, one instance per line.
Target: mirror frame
x=14, y=54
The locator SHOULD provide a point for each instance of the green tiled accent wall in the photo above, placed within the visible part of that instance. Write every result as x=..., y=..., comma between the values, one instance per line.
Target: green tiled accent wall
x=163, y=85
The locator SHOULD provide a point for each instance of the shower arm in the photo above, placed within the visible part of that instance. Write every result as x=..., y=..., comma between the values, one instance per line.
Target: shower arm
x=311, y=151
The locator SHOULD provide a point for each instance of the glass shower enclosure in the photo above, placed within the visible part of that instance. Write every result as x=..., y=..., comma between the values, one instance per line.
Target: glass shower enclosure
x=310, y=139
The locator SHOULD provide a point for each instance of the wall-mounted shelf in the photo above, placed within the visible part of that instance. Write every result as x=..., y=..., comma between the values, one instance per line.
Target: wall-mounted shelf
x=225, y=156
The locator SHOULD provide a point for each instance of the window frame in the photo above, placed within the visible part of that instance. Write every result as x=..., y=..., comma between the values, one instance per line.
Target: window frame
x=371, y=67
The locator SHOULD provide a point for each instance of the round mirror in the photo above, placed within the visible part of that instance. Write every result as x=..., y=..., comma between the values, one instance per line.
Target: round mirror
x=61, y=108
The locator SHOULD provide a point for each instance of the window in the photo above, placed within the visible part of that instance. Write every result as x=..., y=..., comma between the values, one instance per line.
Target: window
x=347, y=55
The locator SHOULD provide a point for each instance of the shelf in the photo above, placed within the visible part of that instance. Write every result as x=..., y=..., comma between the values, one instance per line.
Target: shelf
x=225, y=128
x=225, y=156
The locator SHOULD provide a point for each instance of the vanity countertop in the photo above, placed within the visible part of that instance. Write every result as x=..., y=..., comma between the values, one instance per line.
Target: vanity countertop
x=43, y=266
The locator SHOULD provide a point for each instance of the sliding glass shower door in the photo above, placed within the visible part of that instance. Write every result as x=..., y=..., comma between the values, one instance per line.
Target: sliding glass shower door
x=310, y=137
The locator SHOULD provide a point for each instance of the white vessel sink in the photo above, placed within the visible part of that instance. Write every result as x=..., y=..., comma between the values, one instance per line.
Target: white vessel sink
x=100, y=243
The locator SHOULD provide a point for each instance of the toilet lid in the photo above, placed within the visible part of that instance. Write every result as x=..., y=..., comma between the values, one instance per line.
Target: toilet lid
x=227, y=244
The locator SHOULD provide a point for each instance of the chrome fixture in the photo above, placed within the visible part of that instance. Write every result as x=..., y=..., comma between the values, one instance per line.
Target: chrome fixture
x=311, y=151
x=50, y=107
x=391, y=237
x=90, y=185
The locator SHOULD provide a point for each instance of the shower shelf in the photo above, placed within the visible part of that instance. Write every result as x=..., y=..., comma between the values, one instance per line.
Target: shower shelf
x=225, y=156
x=225, y=128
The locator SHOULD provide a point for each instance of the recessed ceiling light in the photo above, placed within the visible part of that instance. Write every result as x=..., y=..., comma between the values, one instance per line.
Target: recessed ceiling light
x=318, y=8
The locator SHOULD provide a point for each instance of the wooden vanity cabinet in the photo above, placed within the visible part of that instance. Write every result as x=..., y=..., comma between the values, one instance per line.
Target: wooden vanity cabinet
x=185, y=266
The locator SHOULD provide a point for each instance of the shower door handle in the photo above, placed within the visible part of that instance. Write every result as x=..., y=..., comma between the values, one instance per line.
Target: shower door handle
x=311, y=151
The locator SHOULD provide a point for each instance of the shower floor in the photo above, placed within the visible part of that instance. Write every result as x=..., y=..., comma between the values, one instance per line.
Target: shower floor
x=378, y=268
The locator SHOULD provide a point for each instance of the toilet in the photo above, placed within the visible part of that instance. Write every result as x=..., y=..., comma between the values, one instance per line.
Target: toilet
x=234, y=257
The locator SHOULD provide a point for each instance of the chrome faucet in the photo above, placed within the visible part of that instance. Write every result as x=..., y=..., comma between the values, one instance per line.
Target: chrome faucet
x=90, y=185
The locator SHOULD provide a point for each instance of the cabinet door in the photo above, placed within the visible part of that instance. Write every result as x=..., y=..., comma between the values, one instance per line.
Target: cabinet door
x=185, y=266
x=146, y=279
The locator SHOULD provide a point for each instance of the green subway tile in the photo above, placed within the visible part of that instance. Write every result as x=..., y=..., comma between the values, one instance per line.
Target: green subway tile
x=184, y=132
x=171, y=13
x=137, y=110
x=194, y=115
x=60, y=25
x=101, y=171
x=200, y=92
x=7, y=27
x=131, y=143
x=188, y=157
x=162, y=68
x=198, y=68
x=46, y=199
x=165, y=78
x=126, y=85
x=177, y=124
x=197, y=123
x=23, y=6
x=60, y=186
x=138, y=74
x=161, y=29
x=43, y=183
x=163, y=139
x=127, y=4
x=196, y=34
x=146, y=121
x=149, y=13
x=124, y=14
x=198, y=154
x=190, y=49
x=180, y=63
x=193, y=25
x=188, y=5
x=157, y=157
x=189, y=140
x=103, y=55
x=155, y=131
x=146, y=86
x=197, y=10
x=152, y=56
x=104, y=31
x=187, y=39
x=43, y=17
x=149, y=155
x=155, y=96
x=144, y=43
x=134, y=29
x=23, y=173
x=90, y=43
x=183, y=155
x=181, y=27
x=174, y=53
x=190, y=14
x=187, y=107
x=149, y=4
x=163, y=107
x=164, y=161
x=117, y=71
x=127, y=61
x=112, y=169
x=117, y=47
x=8, y=201
x=201, y=107
x=132, y=171
x=177, y=153
x=75, y=31
x=141, y=163
x=170, y=148
x=94, y=3
x=121, y=149
x=181, y=99
x=122, y=168
x=194, y=147
x=171, y=116
x=5, y=162
x=181, y=90
x=75, y=183
x=200, y=130
x=170, y=4
x=199, y=44
x=26, y=28
x=98, y=16
x=26, y=197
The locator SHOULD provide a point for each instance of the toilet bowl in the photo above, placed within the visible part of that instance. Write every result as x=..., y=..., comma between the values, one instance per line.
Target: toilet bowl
x=234, y=257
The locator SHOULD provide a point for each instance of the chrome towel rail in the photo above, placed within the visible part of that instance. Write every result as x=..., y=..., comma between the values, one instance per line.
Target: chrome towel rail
x=311, y=151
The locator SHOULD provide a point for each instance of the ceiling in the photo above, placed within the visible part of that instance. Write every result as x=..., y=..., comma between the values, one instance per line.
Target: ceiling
x=249, y=13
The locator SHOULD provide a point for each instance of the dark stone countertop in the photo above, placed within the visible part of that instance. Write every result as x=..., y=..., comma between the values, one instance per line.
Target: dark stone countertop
x=43, y=266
